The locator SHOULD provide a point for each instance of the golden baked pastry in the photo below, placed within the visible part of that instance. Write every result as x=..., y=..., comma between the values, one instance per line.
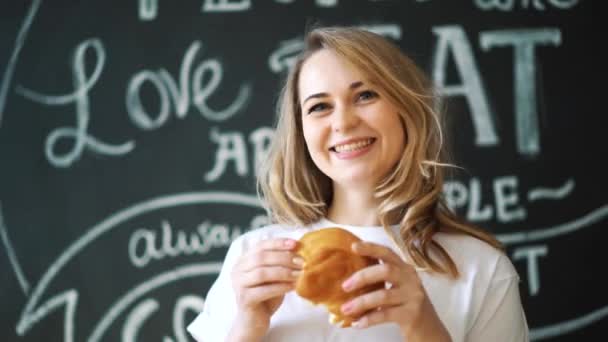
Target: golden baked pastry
x=329, y=261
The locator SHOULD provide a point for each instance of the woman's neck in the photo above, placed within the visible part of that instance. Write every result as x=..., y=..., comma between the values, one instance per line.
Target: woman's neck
x=356, y=207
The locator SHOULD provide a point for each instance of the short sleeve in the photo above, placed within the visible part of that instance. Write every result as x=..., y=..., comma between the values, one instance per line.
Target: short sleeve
x=501, y=318
x=214, y=322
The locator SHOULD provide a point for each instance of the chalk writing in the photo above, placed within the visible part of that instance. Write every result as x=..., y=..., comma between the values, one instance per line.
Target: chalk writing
x=172, y=276
x=509, y=5
x=206, y=237
x=566, y=327
x=181, y=97
x=226, y=5
x=589, y=219
x=193, y=89
x=12, y=257
x=10, y=67
x=232, y=148
x=531, y=254
x=80, y=97
x=524, y=65
x=284, y=56
x=453, y=39
x=506, y=199
x=142, y=312
x=34, y=311
x=553, y=194
x=147, y=9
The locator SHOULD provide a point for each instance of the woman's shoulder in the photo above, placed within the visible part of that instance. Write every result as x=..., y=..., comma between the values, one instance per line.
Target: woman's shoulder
x=473, y=255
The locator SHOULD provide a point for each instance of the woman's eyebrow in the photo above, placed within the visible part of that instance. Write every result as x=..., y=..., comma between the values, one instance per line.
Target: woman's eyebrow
x=352, y=86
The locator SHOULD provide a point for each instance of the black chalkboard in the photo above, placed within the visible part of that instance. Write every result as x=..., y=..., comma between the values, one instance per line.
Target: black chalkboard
x=129, y=132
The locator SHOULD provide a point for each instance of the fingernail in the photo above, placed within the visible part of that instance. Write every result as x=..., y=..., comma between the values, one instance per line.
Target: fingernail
x=290, y=243
x=362, y=323
x=298, y=261
x=295, y=274
x=347, y=285
x=347, y=308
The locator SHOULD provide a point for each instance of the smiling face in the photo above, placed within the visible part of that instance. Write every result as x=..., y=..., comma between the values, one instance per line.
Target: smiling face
x=353, y=134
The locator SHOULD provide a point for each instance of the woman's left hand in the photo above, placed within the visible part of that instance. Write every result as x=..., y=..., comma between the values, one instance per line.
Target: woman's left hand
x=405, y=302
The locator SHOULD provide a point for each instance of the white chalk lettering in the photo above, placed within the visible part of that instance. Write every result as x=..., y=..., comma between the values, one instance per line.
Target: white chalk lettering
x=455, y=193
x=226, y=5
x=144, y=246
x=552, y=194
x=505, y=206
x=320, y=3
x=509, y=5
x=531, y=254
x=524, y=65
x=136, y=110
x=80, y=97
x=147, y=9
x=144, y=310
x=453, y=39
x=36, y=309
x=284, y=56
x=184, y=304
x=10, y=66
x=539, y=234
x=202, y=92
x=475, y=212
x=327, y=3
x=231, y=147
x=190, y=91
x=136, y=318
x=506, y=197
x=260, y=139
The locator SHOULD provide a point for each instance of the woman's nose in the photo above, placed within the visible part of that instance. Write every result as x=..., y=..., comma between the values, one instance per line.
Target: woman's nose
x=344, y=118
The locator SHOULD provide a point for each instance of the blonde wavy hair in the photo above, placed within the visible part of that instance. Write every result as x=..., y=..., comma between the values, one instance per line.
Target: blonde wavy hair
x=296, y=192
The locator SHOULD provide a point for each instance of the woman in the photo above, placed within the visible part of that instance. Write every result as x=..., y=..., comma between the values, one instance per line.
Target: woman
x=358, y=146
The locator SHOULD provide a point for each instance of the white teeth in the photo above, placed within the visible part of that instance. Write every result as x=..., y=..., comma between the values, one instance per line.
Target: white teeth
x=353, y=146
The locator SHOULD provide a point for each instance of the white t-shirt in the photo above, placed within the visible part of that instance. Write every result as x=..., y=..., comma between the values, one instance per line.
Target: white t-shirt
x=482, y=305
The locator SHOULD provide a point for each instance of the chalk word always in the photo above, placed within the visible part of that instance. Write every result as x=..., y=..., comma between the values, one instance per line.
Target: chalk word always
x=145, y=245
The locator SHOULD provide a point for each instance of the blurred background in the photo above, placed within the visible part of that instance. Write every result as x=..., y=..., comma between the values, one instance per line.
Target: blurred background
x=130, y=131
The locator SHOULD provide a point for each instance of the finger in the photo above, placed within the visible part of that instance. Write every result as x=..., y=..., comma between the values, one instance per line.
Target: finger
x=375, y=317
x=372, y=301
x=271, y=274
x=254, y=295
x=277, y=244
x=377, y=251
x=374, y=274
x=272, y=258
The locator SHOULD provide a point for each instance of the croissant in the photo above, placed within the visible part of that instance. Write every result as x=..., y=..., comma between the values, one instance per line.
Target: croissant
x=329, y=261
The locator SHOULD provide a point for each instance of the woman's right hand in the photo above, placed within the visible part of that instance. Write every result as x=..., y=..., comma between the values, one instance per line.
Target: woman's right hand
x=260, y=279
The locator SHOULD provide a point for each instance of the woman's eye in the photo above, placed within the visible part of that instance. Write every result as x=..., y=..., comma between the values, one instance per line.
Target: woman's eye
x=367, y=94
x=317, y=107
